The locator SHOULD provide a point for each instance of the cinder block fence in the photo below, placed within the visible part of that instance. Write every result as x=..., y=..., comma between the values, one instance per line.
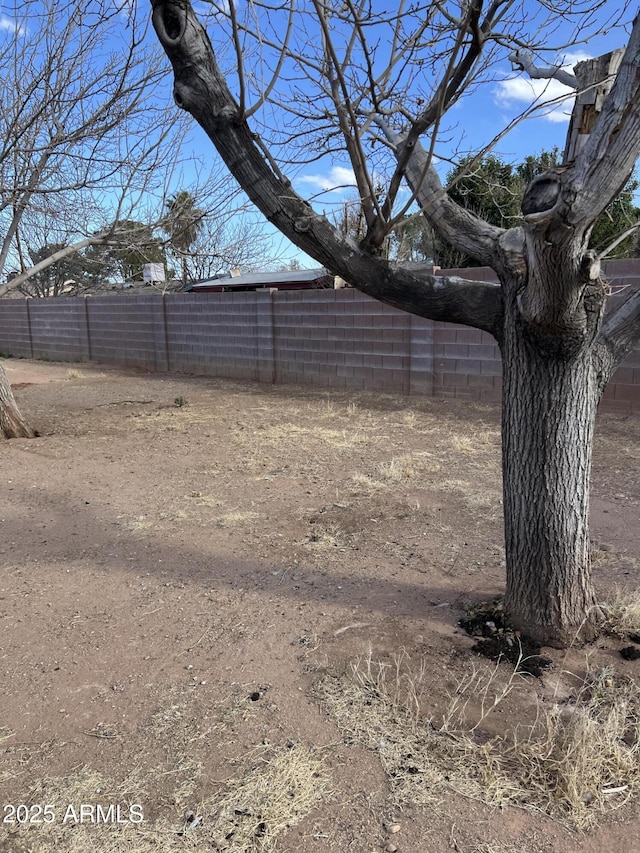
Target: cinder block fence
x=323, y=338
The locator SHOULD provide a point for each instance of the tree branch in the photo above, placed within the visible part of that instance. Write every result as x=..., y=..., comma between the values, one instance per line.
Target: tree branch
x=619, y=239
x=608, y=158
x=523, y=60
x=201, y=89
x=460, y=227
x=97, y=239
x=619, y=334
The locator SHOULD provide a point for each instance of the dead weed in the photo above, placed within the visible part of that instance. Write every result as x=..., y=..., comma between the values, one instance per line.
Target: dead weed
x=272, y=789
x=574, y=763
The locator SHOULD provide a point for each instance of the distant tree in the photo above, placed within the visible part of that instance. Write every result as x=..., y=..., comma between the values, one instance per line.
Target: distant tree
x=73, y=274
x=99, y=267
x=56, y=279
x=137, y=246
x=228, y=238
x=413, y=241
x=618, y=217
x=291, y=266
x=182, y=223
x=493, y=189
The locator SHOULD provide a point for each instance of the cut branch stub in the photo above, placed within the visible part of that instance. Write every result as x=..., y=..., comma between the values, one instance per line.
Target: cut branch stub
x=595, y=79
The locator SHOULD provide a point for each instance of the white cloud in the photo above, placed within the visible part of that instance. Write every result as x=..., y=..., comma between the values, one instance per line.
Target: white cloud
x=336, y=180
x=9, y=26
x=520, y=92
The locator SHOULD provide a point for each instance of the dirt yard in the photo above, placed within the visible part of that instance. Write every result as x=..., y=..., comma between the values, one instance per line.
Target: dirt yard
x=229, y=610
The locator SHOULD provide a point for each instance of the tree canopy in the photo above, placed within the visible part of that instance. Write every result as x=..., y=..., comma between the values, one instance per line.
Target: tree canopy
x=72, y=275
x=493, y=189
x=182, y=223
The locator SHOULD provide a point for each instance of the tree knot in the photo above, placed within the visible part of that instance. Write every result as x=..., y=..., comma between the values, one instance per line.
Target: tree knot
x=542, y=197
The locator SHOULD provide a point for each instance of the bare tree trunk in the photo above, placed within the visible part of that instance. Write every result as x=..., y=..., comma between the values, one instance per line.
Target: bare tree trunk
x=549, y=406
x=12, y=424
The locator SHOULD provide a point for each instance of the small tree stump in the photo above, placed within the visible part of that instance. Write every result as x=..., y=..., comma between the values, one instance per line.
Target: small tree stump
x=12, y=424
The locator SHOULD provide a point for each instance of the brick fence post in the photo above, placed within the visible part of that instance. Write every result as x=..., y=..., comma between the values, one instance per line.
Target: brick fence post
x=27, y=300
x=265, y=335
x=158, y=312
x=421, y=356
x=85, y=334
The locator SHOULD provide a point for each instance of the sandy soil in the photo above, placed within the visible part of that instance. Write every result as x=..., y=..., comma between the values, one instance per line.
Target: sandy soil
x=184, y=559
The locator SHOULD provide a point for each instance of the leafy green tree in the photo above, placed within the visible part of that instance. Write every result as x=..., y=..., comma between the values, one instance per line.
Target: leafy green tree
x=182, y=223
x=98, y=265
x=69, y=276
x=138, y=246
x=493, y=190
x=617, y=218
x=414, y=241
x=59, y=278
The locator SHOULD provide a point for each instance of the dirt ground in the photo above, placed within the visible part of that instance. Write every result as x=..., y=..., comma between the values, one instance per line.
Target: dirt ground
x=184, y=559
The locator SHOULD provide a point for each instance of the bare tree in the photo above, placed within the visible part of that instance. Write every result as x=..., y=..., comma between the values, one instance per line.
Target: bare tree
x=226, y=240
x=80, y=124
x=88, y=148
x=376, y=86
x=82, y=133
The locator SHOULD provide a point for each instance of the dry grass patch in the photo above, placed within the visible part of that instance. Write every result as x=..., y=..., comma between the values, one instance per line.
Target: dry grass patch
x=276, y=791
x=269, y=790
x=574, y=763
x=279, y=789
x=480, y=441
x=396, y=471
x=236, y=518
x=622, y=612
x=282, y=434
x=487, y=500
x=327, y=536
x=66, y=833
x=184, y=417
x=74, y=373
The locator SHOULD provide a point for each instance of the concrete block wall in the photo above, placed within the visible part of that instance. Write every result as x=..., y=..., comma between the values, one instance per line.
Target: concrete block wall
x=341, y=339
x=215, y=337
x=467, y=363
x=15, y=332
x=58, y=329
x=127, y=330
x=324, y=338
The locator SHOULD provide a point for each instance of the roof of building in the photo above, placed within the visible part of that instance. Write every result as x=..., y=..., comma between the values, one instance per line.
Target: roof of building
x=264, y=279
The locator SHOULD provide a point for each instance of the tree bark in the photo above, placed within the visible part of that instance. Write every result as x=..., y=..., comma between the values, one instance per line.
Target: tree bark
x=549, y=404
x=12, y=424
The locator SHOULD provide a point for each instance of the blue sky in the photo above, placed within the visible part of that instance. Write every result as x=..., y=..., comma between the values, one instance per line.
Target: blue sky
x=471, y=124
x=475, y=121
x=493, y=106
